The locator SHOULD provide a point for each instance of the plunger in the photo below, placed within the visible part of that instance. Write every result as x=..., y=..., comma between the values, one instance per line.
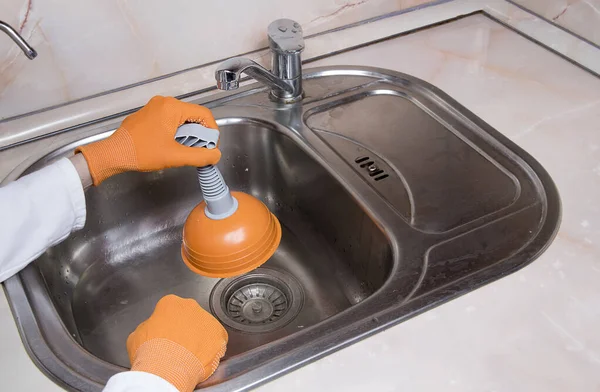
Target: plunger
x=228, y=233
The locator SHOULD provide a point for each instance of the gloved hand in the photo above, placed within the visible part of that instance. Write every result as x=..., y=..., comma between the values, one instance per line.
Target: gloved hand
x=180, y=342
x=145, y=141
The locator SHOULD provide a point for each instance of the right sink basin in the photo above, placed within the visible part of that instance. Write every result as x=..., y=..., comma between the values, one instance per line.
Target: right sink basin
x=439, y=181
x=393, y=198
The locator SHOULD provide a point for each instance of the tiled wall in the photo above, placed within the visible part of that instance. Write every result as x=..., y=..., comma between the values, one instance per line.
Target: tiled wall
x=580, y=16
x=87, y=47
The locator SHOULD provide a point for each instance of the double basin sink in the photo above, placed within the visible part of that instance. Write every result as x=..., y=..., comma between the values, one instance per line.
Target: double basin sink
x=392, y=198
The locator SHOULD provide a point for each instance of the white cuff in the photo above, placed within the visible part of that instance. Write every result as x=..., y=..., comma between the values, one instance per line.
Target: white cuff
x=74, y=188
x=138, y=382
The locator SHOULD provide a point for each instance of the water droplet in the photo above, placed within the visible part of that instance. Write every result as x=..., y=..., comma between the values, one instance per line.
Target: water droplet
x=283, y=29
x=294, y=31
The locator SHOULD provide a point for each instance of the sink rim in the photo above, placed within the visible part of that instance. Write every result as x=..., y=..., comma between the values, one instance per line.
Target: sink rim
x=23, y=300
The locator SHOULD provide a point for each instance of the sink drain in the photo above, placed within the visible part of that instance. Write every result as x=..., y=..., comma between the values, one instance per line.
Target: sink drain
x=260, y=301
x=257, y=303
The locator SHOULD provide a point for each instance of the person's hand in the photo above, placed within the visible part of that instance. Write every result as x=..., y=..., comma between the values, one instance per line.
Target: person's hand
x=145, y=141
x=180, y=342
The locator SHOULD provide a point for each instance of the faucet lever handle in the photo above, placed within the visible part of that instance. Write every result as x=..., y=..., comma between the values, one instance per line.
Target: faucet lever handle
x=285, y=36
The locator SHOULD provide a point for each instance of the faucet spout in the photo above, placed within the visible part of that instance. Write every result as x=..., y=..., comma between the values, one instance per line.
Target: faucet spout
x=14, y=35
x=228, y=75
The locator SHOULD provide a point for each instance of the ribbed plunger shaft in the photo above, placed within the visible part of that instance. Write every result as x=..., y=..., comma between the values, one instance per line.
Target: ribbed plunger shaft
x=211, y=182
x=219, y=202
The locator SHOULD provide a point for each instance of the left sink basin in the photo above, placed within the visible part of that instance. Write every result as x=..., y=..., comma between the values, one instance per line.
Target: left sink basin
x=105, y=279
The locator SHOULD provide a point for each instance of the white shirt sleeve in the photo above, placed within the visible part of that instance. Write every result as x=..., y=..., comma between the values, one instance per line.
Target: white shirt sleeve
x=38, y=211
x=138, y=382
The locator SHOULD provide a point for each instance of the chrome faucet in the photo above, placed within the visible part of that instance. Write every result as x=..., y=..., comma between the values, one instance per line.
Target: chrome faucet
x=12, y=33
x=285, y=79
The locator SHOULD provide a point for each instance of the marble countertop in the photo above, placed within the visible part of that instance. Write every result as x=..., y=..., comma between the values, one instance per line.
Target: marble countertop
x=533, y=330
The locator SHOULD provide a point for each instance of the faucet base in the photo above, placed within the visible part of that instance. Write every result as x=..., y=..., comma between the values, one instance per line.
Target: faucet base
x=286, y=100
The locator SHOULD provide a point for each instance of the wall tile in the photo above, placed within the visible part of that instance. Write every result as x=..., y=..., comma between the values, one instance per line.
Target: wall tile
x=89, y=47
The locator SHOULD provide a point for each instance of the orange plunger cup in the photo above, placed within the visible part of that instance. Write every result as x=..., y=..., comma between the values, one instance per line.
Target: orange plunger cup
x=229, y=233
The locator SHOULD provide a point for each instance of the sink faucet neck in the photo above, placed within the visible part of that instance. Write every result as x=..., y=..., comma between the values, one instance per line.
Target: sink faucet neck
x=229, y=73
x=14, y=35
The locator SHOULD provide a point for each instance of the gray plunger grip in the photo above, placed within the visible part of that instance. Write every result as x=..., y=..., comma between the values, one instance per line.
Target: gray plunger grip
x=220, y=204
x=196, y=135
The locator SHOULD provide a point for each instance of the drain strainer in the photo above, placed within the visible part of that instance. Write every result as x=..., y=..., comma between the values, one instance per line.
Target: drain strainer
x=260, y=301
x=257, y=303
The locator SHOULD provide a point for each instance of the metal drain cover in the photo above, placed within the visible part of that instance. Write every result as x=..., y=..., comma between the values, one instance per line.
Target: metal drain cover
x=260, y=301
x=257, y=303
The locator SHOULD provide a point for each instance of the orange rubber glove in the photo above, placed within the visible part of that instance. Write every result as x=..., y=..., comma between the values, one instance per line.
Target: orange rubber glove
x=145, y=141
x=180, y=342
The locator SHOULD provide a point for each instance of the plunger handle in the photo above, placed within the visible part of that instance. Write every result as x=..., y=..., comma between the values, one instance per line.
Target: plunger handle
x=220, y=204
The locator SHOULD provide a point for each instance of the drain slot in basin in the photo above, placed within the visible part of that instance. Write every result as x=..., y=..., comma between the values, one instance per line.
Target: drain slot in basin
x=260, y=301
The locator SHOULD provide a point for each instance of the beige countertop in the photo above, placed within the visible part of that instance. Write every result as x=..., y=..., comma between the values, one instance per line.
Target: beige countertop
x=533, y=330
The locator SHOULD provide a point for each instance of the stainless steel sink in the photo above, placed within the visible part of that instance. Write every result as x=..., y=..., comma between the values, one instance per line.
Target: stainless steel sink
x=392, y=197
